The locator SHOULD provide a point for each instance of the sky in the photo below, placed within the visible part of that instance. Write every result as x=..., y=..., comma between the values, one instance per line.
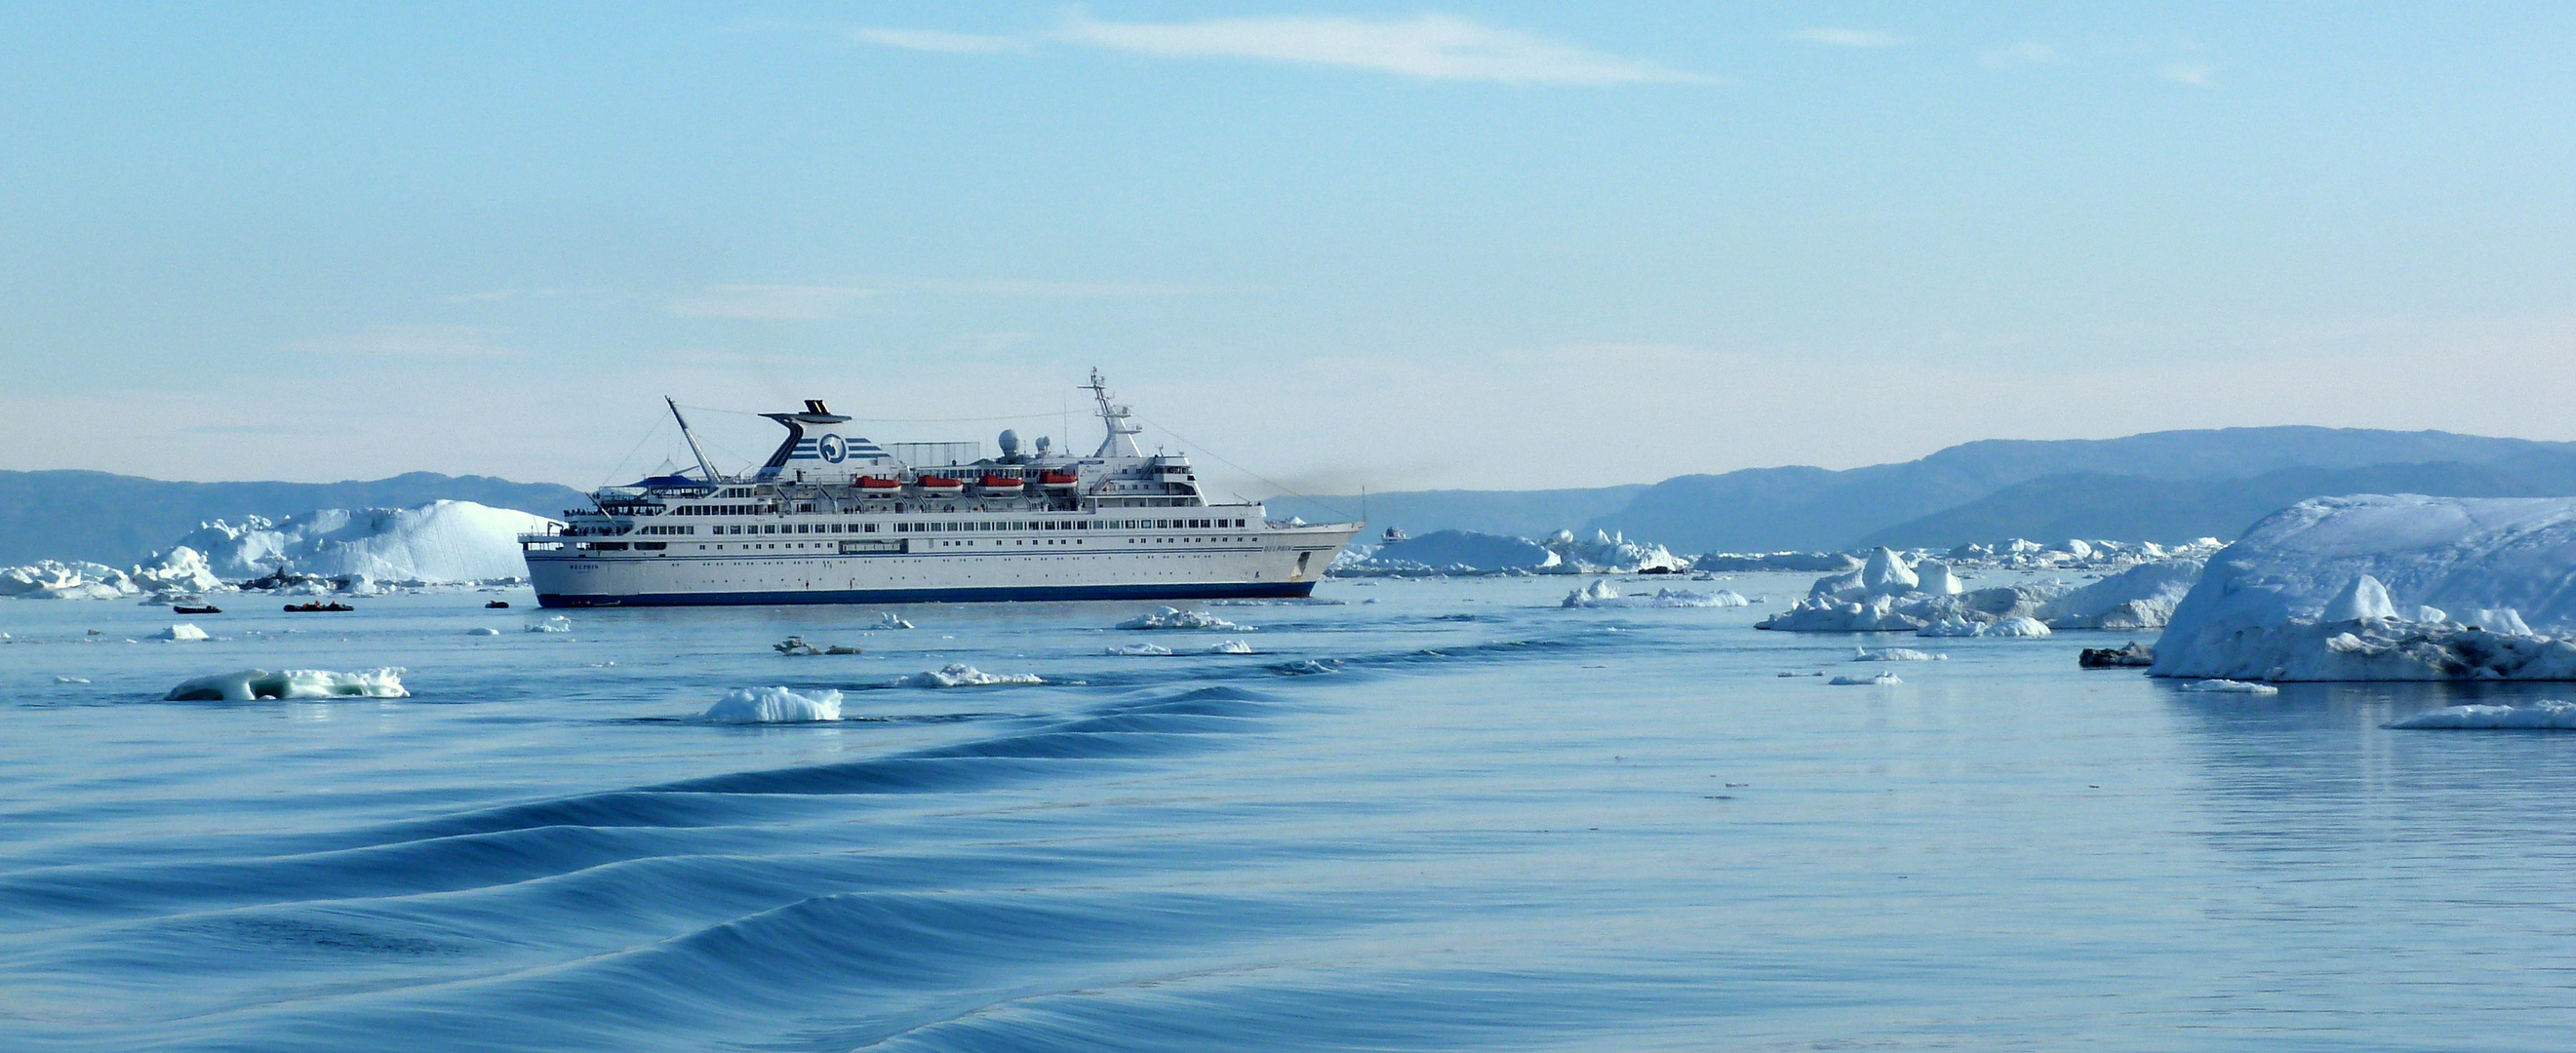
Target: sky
x=1319, y=246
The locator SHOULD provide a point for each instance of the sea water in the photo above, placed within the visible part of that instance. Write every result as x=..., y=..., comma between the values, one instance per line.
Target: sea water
x=1425, y=815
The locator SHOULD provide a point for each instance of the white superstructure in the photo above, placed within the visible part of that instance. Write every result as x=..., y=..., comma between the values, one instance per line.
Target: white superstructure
x=834, y=518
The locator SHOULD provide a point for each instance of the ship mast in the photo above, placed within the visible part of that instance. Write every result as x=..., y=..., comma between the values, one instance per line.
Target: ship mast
x=1121, y=441
x=703, y=466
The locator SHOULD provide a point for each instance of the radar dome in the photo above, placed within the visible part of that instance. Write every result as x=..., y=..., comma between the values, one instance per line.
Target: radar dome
x=1010, y=443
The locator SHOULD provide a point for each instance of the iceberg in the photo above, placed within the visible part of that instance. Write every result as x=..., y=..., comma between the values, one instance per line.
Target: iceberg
x=1592, y=595
x=960, y=675
x=443, y=541
x=2344, y=588
x=773, y=705
x=1857, y=681
x=1142, y=650
x=2544, y=715
x=1230, y=647
x=182, y=631
x=1885, y=594
x=1175, y=618
x=253, y=684
x=556, y=624
x=1895, y=654
x=2141, y=597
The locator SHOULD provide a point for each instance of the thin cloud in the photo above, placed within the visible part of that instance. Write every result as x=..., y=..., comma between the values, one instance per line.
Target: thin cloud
x=769, y=303
x=942, y=41
x=443, y=342
x=1848, y=38
x=2026, y=53
x=2196, y=74
x=1430, y=47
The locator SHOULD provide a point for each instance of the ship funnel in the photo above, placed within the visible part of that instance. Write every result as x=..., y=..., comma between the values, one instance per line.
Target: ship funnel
x=821, y=449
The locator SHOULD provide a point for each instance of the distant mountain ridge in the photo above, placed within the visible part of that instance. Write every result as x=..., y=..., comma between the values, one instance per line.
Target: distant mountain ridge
x=1968, y=492
x=118, y=519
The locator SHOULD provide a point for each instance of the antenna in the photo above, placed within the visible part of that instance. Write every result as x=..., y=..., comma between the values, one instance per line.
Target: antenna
x=703, y=466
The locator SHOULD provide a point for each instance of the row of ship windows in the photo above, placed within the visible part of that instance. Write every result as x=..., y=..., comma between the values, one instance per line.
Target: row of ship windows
x=942, y=527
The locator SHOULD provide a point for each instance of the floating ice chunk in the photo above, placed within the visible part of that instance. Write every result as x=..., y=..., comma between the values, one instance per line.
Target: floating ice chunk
x=182, y=631
x=2231, y=687
x=1895, y=654
x=71, y=680
x=1954, y=625
x=1592, y=595
x=796, y=646
x=556, y=624
x=2364, y=599
x=1230, y=647
x=773, y=705
x=2016, y=626
x=2544, y=715
x=961, y=675
x=252, y=684
x=1174, y=618
x=887, y=621
x=483, y=632
x=1856, y=681
x=1142, y=650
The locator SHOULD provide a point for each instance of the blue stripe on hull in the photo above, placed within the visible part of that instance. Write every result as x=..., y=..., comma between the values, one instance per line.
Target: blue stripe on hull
x=1221, y=591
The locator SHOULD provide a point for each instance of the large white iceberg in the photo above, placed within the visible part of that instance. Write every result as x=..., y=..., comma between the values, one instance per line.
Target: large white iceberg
x=2141, y=597
x=443, y=541
x=180, y=571
x=2386, y=587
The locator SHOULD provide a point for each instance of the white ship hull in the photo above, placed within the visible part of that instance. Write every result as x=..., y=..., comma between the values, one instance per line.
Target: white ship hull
x=1260, y=562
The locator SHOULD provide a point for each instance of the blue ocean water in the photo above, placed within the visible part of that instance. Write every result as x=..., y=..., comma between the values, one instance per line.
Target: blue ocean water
x=1433, y=815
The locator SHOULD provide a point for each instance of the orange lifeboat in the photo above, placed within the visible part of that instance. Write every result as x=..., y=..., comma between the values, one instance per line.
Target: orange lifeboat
x=1059, y=480
x=1001, y=484
x=871, y=486
x=939, y=485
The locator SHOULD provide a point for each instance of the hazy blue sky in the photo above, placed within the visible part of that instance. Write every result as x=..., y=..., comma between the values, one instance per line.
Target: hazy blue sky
x=1470, y=245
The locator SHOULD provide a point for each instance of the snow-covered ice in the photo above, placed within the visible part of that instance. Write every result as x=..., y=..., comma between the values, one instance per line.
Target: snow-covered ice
x=1856, y=681
x=2544, y=715
x=2230, y=687
x=443, y=541
x=1230, y=647
x=182, y=631
x=1895, y=654
x=556, y=624
x=2141, y=597
x=2344, y=588
x=960, y=675
x=1886, y=594
x=253, y=684
x=1175, y=618
x=773, y=705
x=1142, y=650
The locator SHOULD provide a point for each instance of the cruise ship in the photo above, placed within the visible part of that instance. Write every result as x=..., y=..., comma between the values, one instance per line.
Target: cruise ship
x=832, y=517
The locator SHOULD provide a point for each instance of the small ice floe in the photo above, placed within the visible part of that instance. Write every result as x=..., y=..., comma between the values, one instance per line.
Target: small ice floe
x=483, y=632
x=254, y=684
x=1230, y=647
x=2231, y=687
x=886, y=621
x=182, y=631
x=1895, y=654
x=773, y=705
x=71, y=680
x=957, y=674
x=1142, y=650
x=1175, y=618
x=1309, y=667
x=2544, y=715
x=1592, y=595
x=556, y=624
x=795, y=646
x=1857, y=681
x=1955, y=625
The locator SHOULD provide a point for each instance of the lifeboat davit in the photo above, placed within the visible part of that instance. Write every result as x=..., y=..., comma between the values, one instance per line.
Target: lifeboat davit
x=871, y=486
x=1059, y=480
x=939, y=485
x=1006, y=484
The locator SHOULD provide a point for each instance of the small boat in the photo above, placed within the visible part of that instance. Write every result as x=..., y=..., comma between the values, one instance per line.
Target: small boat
x=316, y=606
x=1001, y=484
x=939, y=484
x=181, y=608
x=871, y=486
x=498, y=605
x=1059, y=480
